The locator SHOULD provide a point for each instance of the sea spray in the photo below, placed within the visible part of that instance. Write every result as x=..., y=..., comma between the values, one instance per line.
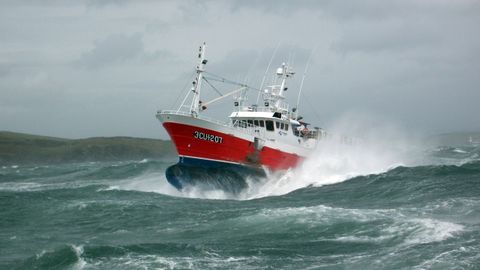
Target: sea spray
x=156, y=182
x=357, y=144
x=371, y=147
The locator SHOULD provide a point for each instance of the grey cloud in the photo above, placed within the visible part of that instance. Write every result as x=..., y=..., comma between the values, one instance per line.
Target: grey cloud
x=375, y=11
x=156, y=26
x=115, y=49
x=119, y=49
x=371, y=9
x=97, y=62
x=104, y=3
x=5, y=69
x=386, y=36
x=252, y=62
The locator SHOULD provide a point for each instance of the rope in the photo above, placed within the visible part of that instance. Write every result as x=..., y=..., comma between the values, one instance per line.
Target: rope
x=181, y=93
x=213, y=87
x=224, y=80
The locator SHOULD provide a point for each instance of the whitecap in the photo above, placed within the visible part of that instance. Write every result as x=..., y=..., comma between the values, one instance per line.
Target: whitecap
x=458, y=150
x=318, y=215
x=156, y=182
x=81, y=263
x=145, y=160
x=22, y=186
x=362, y=239
x=427, y=230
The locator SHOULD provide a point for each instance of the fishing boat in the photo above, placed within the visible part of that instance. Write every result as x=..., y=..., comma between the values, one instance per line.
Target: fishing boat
x=270, y=136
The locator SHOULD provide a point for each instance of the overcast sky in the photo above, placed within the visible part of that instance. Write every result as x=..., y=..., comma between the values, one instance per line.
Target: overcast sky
x=102, y=68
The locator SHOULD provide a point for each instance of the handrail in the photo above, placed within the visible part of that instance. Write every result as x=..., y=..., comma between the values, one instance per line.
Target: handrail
x=250, y=129
x=197, y=116
x=261, y=109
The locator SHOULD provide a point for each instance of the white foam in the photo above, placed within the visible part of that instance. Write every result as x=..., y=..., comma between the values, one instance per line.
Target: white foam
x=380, y=149
x=207, y=261
x=320, y=214
x=427, y=230
x=449, y=259
x=148, y=182
x=458, y=150
x=157, y=182
x=38, y=186
x=39, y=255
x=380, y=146
x=206, y=193
x=21, y=186
x=394, y=223
x=362, y=239
x=81, y=263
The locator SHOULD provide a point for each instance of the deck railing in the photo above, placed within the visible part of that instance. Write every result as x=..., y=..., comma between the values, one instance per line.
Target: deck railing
x=247, y=128
x=202, y=117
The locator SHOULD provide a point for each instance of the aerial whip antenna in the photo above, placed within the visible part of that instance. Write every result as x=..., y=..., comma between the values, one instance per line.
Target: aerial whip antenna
x=266, y=71
x=303, y=79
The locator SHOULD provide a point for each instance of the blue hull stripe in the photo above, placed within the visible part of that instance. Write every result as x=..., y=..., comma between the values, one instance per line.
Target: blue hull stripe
x=227, y=176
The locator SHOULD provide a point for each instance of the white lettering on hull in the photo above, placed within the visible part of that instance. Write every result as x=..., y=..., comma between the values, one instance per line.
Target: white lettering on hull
x=207, y=137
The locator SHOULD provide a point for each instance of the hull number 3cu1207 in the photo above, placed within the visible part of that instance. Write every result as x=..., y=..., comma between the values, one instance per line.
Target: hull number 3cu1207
x=207, y=137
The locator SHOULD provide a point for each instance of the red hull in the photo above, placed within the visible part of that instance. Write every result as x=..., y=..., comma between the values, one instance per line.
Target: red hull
x=201, y=143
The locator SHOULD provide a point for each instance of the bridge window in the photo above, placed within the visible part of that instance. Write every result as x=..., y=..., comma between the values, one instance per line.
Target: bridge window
x=269, y=125
x=243, y=124
x=262, y=124
x=255, y=122
x=250, y=123
x=286, y=127
x=295, y=130
x=277, y=124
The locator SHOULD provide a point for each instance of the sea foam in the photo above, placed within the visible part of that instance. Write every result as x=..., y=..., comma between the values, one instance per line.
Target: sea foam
x=373, y=148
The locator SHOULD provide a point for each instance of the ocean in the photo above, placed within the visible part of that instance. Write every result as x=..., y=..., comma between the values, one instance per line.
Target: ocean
x=348, y=208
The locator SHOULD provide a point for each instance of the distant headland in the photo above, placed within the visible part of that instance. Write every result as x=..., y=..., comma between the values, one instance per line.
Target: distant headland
x=21, y=148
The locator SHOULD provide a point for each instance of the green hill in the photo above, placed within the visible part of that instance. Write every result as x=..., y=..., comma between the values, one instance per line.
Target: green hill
x=20, y=148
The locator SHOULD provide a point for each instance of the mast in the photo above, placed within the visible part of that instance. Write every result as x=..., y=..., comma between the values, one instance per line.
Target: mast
x=276, y=93
x=197, y=83
x=281, y=73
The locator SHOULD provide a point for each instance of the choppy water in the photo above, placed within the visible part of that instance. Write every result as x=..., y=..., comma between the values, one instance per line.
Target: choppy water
x=351, y=209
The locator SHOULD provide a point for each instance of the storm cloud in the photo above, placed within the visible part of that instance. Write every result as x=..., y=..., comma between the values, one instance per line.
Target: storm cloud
x=103, y=68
